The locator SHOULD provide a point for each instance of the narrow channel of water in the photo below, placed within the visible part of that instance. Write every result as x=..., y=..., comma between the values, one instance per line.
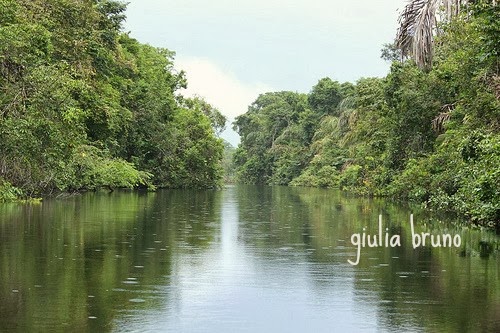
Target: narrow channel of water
x=243, y=259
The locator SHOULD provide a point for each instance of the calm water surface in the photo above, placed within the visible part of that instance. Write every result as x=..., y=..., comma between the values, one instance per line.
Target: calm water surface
x=243, y=259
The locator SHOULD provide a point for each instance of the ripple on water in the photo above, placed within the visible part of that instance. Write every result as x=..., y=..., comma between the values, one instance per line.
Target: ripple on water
x=137, y=300
x=130, y=282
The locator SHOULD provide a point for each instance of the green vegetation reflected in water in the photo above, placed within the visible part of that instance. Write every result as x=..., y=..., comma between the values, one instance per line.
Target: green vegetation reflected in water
x=246, y=258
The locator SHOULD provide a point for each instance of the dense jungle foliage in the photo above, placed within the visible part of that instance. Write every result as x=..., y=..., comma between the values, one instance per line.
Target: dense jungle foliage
x=85, y=106
x=429, y=134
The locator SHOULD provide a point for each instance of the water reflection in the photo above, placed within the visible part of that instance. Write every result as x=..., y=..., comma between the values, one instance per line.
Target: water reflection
x=246, y=258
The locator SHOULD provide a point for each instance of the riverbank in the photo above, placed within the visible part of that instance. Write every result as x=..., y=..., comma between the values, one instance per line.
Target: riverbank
x=429, y=135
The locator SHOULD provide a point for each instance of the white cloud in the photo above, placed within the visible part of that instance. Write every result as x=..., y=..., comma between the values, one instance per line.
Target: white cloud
x=218, y=87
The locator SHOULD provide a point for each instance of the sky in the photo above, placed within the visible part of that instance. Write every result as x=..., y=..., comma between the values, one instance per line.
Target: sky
x=232, y=51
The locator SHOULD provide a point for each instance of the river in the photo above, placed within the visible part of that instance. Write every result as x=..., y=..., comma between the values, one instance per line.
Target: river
x=240, y=259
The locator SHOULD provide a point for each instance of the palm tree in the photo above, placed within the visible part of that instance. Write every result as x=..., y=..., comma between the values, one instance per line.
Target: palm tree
x=418, y=26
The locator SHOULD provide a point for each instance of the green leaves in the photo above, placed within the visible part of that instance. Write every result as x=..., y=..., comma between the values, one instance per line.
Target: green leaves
x=273, y=138
x=23, y=45
x=325, y=96
x=92, y=168
x=9, y=192
x=84, y=106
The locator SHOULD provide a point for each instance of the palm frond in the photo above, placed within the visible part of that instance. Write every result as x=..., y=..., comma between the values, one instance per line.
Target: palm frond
x=347, y=103
x=347, y=119
x=328, y=127
x=439, y=121
x=418, y=26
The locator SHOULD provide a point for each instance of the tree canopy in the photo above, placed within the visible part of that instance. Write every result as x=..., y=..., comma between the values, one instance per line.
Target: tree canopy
x=83, y=105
